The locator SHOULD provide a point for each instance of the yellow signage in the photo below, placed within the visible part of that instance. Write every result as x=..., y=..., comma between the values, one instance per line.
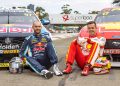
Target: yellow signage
x=9, y=51
x=115, y=9
x=4, y=64
x=105, y=13
x=111, y=26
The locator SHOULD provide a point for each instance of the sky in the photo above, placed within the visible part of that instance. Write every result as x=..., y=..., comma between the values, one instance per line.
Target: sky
x=54, y=6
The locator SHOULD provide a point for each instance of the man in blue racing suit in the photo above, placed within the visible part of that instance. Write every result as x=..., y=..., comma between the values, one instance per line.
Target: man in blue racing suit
x=39, y=52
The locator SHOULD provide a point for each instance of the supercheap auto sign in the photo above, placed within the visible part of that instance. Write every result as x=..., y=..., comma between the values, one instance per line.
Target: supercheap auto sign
x=71, y=19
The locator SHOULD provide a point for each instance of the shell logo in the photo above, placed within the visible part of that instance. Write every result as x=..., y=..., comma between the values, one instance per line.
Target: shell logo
x=88, y=46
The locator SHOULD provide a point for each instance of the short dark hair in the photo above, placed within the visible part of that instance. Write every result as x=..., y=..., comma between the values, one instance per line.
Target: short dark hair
x=91, y=22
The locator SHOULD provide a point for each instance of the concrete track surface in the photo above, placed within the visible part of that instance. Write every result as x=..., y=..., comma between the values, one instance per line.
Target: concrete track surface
x=29, y=78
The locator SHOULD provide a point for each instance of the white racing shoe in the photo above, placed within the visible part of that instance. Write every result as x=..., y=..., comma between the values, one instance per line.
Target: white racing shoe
x=56, y=70
x=47, y=74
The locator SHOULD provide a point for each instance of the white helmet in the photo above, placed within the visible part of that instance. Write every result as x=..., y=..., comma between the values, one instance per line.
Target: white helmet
x=16, y=65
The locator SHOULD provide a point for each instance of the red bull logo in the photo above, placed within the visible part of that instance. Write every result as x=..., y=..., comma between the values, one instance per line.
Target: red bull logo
x=39, y=49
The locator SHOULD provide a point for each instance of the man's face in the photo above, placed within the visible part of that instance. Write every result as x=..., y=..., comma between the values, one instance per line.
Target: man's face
x=37, y=27
x=91, y=29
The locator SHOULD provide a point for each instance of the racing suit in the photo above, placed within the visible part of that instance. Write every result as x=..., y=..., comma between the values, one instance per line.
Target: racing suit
x=87, y=51
x=39, y=52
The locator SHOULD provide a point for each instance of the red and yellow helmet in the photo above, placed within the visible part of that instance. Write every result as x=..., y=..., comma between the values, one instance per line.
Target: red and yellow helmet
x=102, y=66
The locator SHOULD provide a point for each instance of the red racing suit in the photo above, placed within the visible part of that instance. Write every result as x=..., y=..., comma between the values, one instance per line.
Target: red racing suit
x=85, y=50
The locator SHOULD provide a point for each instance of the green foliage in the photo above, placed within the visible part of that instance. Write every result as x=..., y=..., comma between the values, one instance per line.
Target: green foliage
x=94, y=12
x=22, y=7
x=116, y=1
x=76, y=12
x=41, y=12
x=65, y=9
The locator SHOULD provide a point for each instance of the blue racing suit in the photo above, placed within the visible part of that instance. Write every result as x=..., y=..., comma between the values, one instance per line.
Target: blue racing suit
x=39, y=52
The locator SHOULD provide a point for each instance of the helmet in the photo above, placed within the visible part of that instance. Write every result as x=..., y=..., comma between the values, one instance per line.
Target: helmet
x=16, y=65
x=102, y=66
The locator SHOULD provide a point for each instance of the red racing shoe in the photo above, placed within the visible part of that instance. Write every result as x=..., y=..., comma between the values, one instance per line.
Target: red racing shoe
x=86, y=70
x=68, y=69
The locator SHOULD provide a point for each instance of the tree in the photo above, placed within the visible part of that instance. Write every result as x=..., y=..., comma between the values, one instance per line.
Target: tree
x=13, y=7
x=76, y=12
x=40, y=12
x=93, y=12
x=116, y=1
x=66, y=10
x=22, y=7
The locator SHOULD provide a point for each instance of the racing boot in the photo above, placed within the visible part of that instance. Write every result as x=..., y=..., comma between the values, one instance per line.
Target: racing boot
x=47, y=74
x=68, y=69
x=56, y=70
x=86, y=70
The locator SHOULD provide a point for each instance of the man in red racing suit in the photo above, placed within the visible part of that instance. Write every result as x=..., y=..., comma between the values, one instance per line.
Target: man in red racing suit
x=85, y=50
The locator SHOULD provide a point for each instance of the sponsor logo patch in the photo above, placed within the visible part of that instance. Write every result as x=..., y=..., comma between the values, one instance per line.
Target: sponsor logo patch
x=43, y=40
x=10, y=46
x=4, y=64
x=112, y=51
x=34, y=40
x=9, y=51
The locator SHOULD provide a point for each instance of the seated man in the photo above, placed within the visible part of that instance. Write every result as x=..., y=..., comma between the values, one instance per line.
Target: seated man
x=85, y=50
x=41, y=53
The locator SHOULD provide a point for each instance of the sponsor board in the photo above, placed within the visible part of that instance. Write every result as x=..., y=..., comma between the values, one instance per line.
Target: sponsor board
x=112, y=51
x=71, y=18
x=9, y=51
x=4, y=64
x=15, y=30
x=10, y=46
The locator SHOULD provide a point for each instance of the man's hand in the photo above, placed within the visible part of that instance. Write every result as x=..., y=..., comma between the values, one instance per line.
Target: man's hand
x=81, y=41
